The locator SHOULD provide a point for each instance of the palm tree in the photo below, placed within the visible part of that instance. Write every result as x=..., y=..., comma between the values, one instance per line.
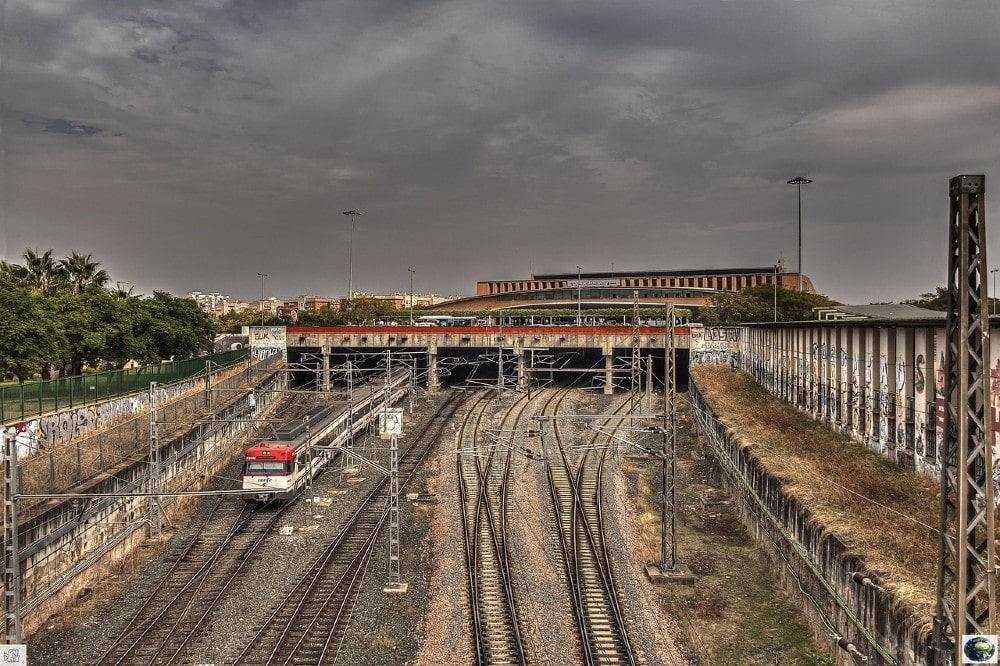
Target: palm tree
x=81, y=272
x=13, y=272
x=41, y=272
x=119, y=293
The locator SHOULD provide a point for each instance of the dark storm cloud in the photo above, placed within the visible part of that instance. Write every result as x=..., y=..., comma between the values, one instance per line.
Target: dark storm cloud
x=63, y=126
x=486, y=139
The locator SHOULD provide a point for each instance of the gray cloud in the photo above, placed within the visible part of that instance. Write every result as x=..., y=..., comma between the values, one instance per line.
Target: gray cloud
x=63, y=126
x=484, y=140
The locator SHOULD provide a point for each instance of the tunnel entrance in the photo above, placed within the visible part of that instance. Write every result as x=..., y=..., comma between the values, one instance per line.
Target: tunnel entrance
x=471, y=368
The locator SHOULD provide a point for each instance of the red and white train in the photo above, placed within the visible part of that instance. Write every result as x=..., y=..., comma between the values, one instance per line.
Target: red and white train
x=279, y=468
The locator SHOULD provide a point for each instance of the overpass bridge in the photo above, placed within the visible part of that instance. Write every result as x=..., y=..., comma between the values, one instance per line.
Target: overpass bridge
x=878, y=380
x=613, y=356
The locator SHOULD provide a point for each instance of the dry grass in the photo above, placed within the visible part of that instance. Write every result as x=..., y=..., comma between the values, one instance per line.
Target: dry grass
x=887, y=515
x=735, y=613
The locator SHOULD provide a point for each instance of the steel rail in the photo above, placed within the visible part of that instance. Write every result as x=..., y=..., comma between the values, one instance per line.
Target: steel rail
x=576, y=497
x=321, y=601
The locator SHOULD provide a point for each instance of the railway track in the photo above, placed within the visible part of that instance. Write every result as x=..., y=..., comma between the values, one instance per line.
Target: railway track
x=203, y=570
x=308, y=625
x=484, y=486
x=575, y=482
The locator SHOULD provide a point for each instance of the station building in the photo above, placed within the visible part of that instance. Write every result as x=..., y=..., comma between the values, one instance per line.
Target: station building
x=683, y=288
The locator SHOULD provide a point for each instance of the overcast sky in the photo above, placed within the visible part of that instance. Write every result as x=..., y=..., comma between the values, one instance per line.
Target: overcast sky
x=190, y=144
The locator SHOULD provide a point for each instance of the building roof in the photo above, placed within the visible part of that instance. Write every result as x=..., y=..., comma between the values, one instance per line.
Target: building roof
x=887, y=311
x=767, y=270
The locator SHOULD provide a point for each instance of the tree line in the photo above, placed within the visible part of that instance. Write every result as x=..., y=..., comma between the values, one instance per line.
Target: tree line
x=761, y=303
x=61, y=314
x=362, y=310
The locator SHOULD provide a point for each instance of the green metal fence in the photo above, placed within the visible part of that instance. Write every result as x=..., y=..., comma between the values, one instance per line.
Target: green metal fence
x=23, y=401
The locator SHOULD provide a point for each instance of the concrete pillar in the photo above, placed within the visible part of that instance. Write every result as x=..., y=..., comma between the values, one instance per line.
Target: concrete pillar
x=609, y=374
x=522, y=375
x=433, y=381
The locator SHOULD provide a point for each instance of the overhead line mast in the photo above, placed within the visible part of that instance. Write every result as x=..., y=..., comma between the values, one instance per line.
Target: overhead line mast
x=966, y=595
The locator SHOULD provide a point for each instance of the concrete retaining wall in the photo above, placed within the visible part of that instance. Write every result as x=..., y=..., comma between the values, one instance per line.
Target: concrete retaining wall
x=815, y=567
x=63, y=537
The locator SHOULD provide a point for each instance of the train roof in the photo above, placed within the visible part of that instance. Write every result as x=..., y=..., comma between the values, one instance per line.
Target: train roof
x=296, y=427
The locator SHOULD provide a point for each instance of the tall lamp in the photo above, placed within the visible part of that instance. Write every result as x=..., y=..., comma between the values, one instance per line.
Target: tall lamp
x=350, y=282
x=799, y=182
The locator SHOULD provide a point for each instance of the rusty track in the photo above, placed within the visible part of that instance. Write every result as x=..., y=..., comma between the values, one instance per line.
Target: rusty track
x=309, y=624
x=575, y=480
x=484, y=484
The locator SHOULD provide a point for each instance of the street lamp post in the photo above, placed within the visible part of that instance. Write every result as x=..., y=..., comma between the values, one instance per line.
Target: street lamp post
x=350, y=282
x=262, y=276
x=776, y=293
x=411, y=271
x=993, y=296
x=799, y=182
x=579, y=301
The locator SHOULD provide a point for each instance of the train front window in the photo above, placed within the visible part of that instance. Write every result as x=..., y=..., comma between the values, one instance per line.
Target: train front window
x=266, y=467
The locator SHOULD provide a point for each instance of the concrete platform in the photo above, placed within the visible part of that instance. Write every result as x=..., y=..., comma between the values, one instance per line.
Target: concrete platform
x=680, y=574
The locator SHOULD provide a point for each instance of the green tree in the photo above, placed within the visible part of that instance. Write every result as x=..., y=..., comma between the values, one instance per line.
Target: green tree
x=30, y=336
x=175, y=327
x=100, y=331
x=934, y=300
x=232, y=322
x=366, y=310
x=81, y=272
x=42, y=273
x=761, y=303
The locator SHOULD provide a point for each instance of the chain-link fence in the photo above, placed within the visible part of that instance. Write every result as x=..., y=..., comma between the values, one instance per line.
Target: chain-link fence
x=66, y=465
x=24, y=401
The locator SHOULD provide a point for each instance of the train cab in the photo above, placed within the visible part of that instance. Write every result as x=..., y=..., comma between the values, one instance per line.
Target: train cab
x=269, y=472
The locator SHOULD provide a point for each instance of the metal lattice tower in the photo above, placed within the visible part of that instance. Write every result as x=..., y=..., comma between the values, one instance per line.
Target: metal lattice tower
x=965, y=591
x=635, y=369
x=394, y=577
x=154, y=465
x=11, y=554
x=668, y=533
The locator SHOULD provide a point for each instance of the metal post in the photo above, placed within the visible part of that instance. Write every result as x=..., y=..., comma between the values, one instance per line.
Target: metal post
x=394, y=576
x=411, y=294
x=500, y=361
x=799, y=182
x=349, y=457
x=208, y=385
x=309, y=457
x=966, y=596
x=12, y=556
x=993, y=296
x=579, y=301
x=776, y=293
x=154, y=465
x=262, y=276
x=668, y=531
x=635, y=371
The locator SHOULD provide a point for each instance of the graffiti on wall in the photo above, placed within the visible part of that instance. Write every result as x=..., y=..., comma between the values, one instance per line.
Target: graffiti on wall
x=716, y=345
x=28, y=437
x=266, y=341
x=919, y=401
x=50, y=429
